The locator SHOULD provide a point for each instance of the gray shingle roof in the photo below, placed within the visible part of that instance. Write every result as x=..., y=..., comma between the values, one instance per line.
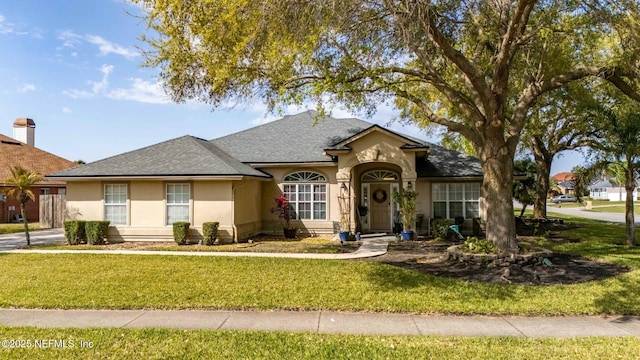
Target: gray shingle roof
x=183, y=156
x=443, y=162
x=292, y=139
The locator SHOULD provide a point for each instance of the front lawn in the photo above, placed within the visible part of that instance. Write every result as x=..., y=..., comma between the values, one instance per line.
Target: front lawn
x=201, y=344
x=163, y=282
x=616, y=209
x=16, y=228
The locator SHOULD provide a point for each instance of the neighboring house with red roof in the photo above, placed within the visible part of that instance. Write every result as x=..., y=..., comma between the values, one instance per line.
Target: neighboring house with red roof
x=565, y=182
x=19, y=151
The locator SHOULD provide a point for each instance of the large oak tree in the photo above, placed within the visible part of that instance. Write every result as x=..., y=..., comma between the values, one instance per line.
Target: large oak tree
x=475, y=67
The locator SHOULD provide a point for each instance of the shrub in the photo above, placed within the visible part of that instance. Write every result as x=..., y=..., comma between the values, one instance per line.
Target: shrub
x=478, y=246
x=181, y=232
x=439, y=228
x=96, y=232
x=209, y=232
x=74, y=231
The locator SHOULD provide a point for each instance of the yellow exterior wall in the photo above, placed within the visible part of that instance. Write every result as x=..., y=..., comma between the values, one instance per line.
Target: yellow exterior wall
x=247, y=196
x=273, y=189
x=84, y=200
x=146, y=200
x=212, y=202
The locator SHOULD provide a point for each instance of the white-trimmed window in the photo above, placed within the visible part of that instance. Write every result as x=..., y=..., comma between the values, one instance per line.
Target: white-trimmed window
x=115, y=203
x=178, y=196
x=307, y=195
x=456, y=200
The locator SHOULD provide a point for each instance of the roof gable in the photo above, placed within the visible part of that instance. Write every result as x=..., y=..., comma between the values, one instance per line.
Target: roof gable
x=183, y=156
x=16, y=153
x=410, y=142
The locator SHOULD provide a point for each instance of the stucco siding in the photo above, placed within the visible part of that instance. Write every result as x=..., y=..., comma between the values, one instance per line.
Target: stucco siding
x=147, y=203
x=84, y=200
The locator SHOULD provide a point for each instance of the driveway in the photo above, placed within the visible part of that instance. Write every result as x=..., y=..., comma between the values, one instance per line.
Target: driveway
x=14, y=241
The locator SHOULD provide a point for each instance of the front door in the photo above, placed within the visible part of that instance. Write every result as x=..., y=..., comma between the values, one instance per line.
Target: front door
x=380, y=207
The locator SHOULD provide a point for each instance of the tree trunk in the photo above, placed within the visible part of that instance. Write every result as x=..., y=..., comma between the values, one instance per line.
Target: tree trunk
x=26, y=223
x=543, y=171
x=629, y=218
x=497, y=189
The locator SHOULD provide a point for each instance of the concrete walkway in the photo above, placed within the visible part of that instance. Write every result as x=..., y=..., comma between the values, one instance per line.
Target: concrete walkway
x=328, y=322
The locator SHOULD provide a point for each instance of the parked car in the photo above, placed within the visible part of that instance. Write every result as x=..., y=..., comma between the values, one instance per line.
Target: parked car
x=564, y=199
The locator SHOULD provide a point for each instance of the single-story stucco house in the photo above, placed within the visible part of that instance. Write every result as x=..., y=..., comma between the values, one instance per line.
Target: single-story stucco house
x=603, y=189
x=235, y=179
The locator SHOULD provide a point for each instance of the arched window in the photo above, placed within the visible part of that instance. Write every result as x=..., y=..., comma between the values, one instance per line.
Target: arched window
x=307, y=194
x=379, y=175
x=305, y=176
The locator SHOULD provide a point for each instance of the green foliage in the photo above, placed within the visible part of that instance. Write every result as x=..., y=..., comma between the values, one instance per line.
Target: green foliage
x=406, y=199
x=181, y=232
x=477, y=246
x=97, y=231
x=18, y=186
x=209, y=232
x=439, y=228
x=74, y=231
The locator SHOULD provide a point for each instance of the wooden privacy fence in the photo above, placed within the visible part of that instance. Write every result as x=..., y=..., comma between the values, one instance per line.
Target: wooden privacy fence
x=52, y=210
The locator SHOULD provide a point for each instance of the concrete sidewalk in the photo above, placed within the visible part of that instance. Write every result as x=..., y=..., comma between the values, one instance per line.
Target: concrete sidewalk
x=328, y=322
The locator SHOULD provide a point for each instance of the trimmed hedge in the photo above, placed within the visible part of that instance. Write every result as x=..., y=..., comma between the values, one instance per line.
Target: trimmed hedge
x=74, y=231
x=209, y=232
x=96, y=232
x=181, y=232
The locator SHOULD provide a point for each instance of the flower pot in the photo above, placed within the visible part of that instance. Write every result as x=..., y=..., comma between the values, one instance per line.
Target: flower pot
x=344, y=235
x=407, y=235
x=290, y=233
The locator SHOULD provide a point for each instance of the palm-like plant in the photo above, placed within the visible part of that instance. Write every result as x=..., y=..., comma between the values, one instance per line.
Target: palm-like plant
x=19, y=187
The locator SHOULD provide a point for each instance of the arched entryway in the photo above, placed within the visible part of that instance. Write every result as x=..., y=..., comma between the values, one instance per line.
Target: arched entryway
x=377, y=210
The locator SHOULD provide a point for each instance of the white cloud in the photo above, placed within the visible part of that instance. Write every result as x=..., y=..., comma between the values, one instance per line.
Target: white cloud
x=73, y=40
x=107, y=47
x=66, y=110
x=5, y=27
x=140, y=90
x=26, y=87
x=70, y=39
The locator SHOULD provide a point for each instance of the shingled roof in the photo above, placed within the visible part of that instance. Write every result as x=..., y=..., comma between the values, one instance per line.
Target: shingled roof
x=183, y=156
x=16, y=153
x=299, y=138
x=443, y=162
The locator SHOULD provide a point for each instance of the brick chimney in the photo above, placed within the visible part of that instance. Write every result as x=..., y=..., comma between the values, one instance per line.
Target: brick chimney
x=24, y=130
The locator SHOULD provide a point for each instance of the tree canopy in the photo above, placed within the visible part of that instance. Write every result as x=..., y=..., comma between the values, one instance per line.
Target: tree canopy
x=475, y=67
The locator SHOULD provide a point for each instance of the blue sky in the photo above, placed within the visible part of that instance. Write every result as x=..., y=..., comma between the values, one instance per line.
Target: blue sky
x=74, y=67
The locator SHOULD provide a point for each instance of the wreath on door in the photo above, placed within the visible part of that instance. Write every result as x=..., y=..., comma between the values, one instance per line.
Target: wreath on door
x=380, y=196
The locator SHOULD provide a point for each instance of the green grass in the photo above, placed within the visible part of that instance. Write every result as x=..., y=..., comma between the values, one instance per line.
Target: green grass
x=616, y=209
x=97, y=281
x=202, y=344
x=16, y=228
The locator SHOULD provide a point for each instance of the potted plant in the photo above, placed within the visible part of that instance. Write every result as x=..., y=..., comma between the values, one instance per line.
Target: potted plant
x=406, y=200
x=284, y=214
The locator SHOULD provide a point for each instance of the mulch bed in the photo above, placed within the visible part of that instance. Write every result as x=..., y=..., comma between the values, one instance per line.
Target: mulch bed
x=427, y=257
